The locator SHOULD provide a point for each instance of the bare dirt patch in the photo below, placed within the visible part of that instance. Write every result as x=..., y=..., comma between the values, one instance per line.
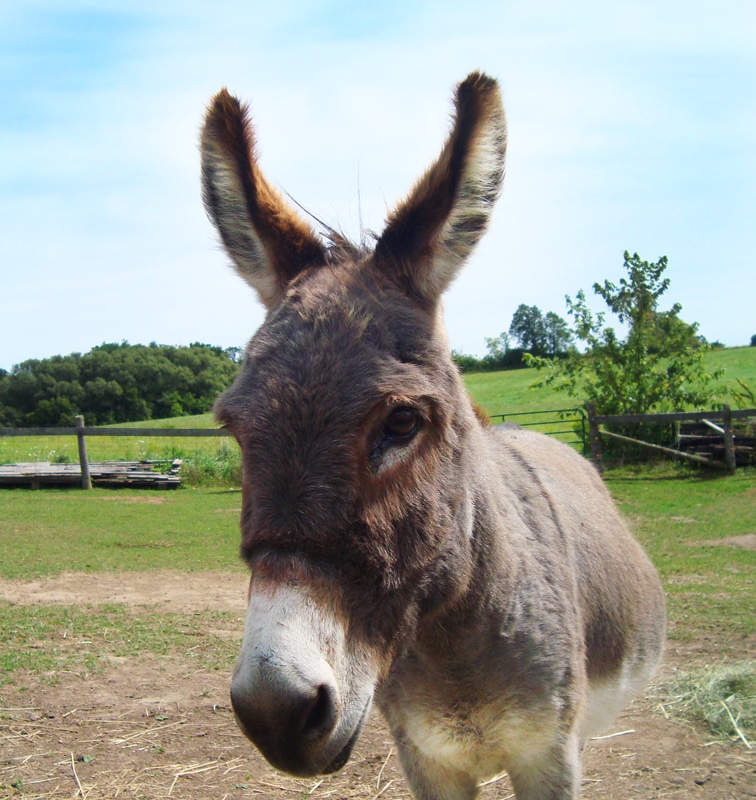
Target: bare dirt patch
x=745, y=542
x=154, y=727
x=167, y=590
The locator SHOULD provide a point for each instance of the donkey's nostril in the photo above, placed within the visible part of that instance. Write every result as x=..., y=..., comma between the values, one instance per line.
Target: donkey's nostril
x=321, y=716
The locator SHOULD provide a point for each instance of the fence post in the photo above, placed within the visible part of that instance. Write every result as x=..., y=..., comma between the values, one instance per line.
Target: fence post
x=86, y=480
x=594, y=437
x=729, y=439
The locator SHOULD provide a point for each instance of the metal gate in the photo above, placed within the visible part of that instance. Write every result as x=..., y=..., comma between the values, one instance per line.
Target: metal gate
x=571, y=422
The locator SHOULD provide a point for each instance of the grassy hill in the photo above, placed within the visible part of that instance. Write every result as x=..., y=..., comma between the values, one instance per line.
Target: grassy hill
x=500, y=392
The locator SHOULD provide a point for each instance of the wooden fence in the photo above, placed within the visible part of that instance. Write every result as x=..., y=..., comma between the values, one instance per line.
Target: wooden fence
x=725, y=416
x=81, y=432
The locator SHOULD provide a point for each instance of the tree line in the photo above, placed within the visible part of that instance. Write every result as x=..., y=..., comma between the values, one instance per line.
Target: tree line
x=530, y=332
x=657, y=365
x=116, y=383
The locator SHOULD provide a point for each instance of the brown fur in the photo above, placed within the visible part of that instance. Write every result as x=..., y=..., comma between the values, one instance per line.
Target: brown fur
x=478, y=582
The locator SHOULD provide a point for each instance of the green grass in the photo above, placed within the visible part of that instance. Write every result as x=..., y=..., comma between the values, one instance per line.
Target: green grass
x=118, y=448
x=679, y=514
x=57, y=530
x=737, y=362
x=683, y=517
x=508, y=391
x=502, y=392
x=48, y=532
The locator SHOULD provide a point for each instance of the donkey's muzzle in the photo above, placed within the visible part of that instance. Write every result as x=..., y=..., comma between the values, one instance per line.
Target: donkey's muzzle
x=299, y=691
x=293, y=721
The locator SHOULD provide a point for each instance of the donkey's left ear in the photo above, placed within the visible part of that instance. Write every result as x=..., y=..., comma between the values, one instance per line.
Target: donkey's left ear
x=429, y=236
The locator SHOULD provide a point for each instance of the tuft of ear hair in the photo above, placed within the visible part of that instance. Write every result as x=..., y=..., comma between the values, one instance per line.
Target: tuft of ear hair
x=431, y=234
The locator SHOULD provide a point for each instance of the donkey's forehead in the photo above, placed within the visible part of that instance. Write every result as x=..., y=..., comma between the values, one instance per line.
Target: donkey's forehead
x=349, y=306
x=336, y=337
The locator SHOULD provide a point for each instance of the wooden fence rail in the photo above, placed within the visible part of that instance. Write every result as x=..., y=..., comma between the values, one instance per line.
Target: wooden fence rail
x=81, y=432
x=725, y=415
x=84, y=431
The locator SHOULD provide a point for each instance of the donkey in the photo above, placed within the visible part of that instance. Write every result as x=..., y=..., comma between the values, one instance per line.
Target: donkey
x=476, y=582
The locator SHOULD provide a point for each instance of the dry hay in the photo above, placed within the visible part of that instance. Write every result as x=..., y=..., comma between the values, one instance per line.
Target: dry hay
x=723, y=698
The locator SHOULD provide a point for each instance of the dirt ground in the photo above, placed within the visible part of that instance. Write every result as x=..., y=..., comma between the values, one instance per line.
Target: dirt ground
x=151, y=727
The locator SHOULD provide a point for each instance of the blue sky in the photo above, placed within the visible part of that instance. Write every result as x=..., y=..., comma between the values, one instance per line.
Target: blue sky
x=632, y=126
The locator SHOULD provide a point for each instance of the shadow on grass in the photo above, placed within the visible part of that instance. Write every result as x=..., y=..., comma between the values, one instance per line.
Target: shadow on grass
x=670, y=473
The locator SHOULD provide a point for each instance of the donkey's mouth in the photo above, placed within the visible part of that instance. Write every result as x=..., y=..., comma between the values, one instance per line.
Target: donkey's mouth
x=346, y=751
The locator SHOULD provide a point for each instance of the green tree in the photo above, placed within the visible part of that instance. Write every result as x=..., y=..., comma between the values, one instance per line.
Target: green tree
x=558, y=334
x=666, y=324
x=497, y=346
x=642, y=372
x=528, y=327
x=116, y=383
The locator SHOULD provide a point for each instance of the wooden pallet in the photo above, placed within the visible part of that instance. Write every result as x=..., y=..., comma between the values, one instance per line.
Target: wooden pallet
x=112, y=474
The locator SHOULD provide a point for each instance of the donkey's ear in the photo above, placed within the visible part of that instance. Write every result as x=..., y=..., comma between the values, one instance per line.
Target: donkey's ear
x=267, y=241
x=429, y=236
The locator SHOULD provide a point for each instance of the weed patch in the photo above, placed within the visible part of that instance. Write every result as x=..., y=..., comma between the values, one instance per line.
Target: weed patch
x=52, y=640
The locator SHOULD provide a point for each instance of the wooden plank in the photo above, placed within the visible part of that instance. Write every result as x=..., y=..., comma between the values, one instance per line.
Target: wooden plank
x=676, y=416
x=126, y=473
x=678, y=453
x=164, y=432
x=38, y=431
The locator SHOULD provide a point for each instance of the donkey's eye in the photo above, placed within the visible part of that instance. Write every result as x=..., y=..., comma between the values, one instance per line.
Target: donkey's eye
x=401, y=423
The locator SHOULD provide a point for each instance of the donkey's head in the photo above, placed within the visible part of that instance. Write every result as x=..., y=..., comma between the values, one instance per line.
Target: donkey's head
x=351, y=419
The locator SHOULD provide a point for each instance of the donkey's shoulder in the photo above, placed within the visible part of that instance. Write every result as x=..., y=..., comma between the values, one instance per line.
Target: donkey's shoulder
x=546, y=465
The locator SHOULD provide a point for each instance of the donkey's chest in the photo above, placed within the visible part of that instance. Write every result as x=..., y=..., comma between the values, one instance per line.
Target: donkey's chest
x=478, y=723
x=478, y=738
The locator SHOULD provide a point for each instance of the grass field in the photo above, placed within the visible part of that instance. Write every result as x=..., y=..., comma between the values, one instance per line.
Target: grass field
x=697, y=528
x=59, y=530
x=692, y=526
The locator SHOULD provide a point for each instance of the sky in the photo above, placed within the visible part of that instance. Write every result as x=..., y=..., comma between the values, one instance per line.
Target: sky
x=632, y=126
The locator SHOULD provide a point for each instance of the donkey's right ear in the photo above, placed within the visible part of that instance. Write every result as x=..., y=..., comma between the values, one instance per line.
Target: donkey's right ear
x=266, y=239
x=429, y=236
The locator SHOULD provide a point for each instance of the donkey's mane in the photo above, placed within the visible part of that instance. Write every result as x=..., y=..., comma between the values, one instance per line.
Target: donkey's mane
x=338, y=246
